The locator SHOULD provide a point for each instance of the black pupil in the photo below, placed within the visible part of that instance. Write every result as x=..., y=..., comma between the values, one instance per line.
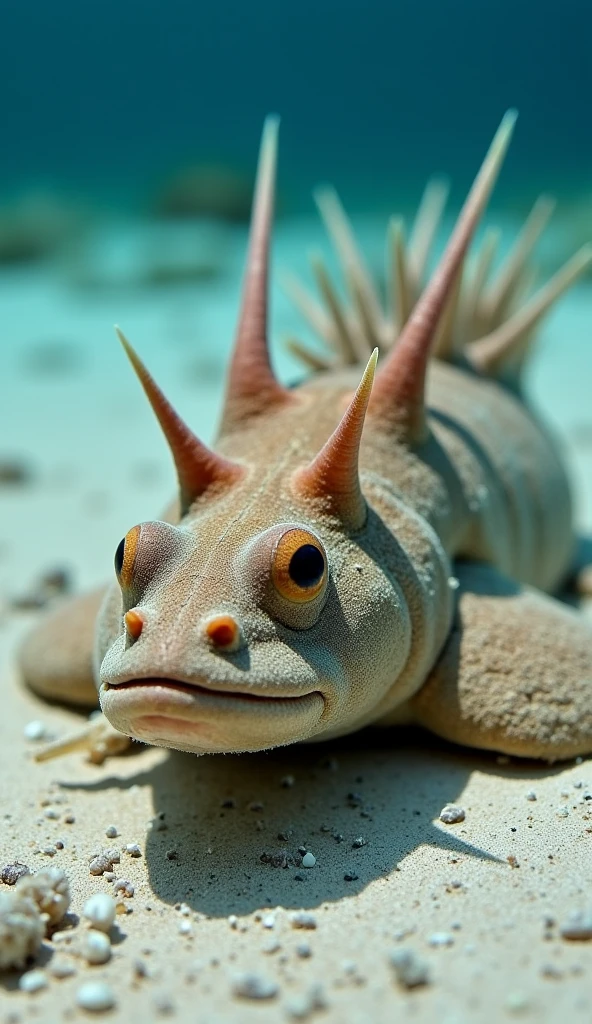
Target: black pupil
x=119, y=556
x=307, y=566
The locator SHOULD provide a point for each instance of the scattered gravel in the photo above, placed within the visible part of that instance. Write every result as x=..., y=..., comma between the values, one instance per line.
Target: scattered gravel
x=452, y=814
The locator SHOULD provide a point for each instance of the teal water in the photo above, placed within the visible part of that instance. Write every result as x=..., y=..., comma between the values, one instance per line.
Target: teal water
x=107, y=98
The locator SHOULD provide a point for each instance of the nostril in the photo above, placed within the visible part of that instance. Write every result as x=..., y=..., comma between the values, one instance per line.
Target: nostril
x=223, y=632
x=134, y=623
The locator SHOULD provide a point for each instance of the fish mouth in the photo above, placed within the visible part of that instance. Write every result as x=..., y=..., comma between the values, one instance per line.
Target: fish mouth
x=189, y=716
x=186, y=686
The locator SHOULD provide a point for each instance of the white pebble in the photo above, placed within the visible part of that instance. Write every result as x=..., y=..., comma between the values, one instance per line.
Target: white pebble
x=111, y=831
x=271, y=946
x=531, y=795
x=133, y=849
x=254, y=986
x=100, y=911
x=33, y=981
x=516, y=1002
x=60, y=968
x=35, y=731
x=303, y=919
x=268, y=921
x=309, y=860
x=163, y=1004
x=185, y=928
x=96, y=947
x=441, y=939
x=303, y=1005
x=562, y=812
x=95, y=996
x=410, y=970
x=578, y=925
x=452, y=814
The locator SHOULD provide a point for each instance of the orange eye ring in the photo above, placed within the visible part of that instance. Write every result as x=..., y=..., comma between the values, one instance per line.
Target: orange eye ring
x=299, y=566
x=125, y=556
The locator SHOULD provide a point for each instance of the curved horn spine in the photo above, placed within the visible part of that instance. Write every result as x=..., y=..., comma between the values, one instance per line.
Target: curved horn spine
x=492, y=353
x=197, y=466
x=333, y=473
x=399, y=393
x=252, y=385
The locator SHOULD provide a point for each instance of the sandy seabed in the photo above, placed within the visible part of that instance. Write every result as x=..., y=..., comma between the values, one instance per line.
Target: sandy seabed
x=482, y=902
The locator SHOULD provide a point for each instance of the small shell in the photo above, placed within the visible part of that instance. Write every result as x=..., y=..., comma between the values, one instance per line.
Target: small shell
x=21, y=929
x=50, y=890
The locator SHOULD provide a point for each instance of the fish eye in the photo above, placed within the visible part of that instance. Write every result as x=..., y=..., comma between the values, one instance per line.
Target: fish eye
x=307, y=566
x=299, y=566
x=125, y=556
x=119, y=556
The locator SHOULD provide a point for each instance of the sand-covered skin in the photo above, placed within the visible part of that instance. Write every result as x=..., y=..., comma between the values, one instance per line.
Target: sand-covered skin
x=480, y=902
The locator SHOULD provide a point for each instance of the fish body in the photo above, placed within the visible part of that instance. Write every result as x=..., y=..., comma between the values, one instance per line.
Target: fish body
x=350, y=552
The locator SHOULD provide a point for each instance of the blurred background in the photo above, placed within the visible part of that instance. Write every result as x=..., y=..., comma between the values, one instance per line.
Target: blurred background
x=129, y=140
x=109, y=100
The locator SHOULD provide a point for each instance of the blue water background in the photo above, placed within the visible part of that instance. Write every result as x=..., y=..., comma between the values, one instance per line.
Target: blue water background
x=107, y=98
